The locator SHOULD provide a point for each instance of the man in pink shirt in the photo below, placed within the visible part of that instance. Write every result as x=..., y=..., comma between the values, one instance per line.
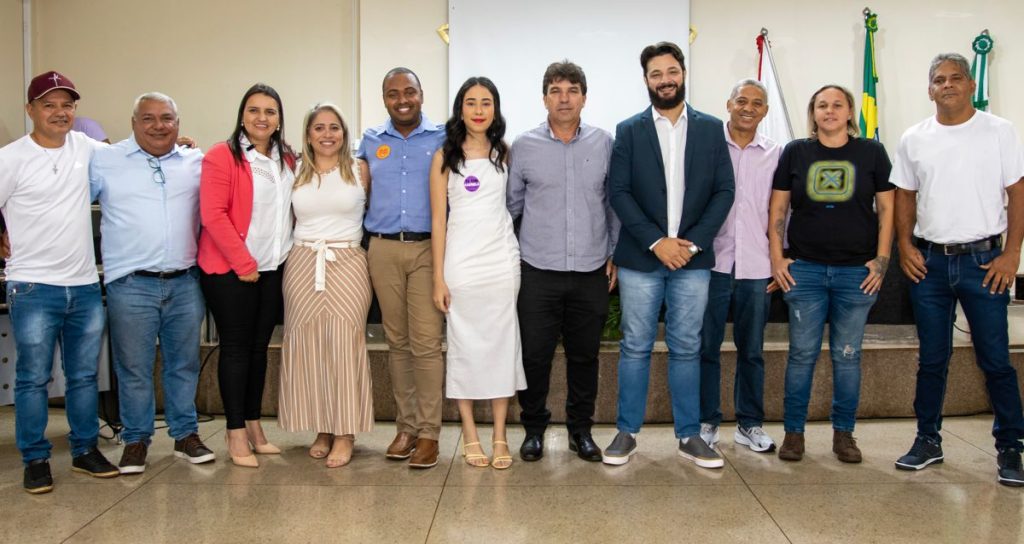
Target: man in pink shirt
x=741, y=275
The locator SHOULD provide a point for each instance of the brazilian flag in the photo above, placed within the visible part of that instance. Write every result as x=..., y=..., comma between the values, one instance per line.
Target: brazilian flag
x=869, y=100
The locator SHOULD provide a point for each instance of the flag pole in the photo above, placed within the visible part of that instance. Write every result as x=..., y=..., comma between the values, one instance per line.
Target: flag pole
x=771, y=61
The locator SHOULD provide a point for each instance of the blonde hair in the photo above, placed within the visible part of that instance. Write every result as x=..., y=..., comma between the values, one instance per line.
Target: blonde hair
x=852, y=129
x=345, y=161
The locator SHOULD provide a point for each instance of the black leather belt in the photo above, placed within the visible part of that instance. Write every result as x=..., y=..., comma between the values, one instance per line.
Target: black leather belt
x=987, y=244
x=402, y=236
x=161, y=275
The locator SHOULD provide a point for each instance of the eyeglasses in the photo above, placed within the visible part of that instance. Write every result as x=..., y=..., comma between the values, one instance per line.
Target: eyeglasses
x=158, y=173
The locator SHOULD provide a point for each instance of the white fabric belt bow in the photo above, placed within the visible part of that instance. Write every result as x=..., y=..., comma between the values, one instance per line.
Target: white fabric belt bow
x=324, y=254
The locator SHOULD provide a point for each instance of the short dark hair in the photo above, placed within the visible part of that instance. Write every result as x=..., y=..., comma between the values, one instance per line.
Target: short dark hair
x=399, y=70
x=565, y=70
x=659, y=49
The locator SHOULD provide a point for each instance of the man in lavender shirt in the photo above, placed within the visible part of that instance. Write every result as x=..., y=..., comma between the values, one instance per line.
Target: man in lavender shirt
x=741, y=275
x=557, y=185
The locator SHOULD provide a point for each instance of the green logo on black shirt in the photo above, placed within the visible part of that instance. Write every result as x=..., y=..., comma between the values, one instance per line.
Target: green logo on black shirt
x=831, y=181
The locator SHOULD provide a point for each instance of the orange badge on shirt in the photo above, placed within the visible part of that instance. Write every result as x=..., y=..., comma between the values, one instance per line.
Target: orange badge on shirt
x=383, y=152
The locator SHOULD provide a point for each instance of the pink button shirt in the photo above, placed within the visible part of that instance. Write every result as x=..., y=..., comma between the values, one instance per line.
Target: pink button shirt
x=743, y=238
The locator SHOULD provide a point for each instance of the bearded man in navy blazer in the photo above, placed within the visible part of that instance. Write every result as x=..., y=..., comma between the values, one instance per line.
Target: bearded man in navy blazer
x=671, y=185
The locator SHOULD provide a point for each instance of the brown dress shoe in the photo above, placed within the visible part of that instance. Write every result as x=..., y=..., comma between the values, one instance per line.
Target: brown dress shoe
x=401, y=447
x=792, y=447
x=844, y=445
x=425, y=455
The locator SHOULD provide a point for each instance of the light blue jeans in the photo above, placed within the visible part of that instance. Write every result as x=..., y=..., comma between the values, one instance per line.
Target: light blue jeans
x=41, y=316
x=685, y=295
x=833, y=293
x=143, y=309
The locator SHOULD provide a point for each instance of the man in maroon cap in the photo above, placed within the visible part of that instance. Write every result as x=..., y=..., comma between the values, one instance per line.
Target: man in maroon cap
x=53, y=289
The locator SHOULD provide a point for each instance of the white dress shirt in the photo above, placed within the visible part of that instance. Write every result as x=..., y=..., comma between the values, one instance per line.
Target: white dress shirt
x=672, y=139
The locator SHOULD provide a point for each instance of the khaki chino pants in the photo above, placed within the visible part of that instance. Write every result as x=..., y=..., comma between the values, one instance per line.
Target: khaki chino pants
x=403, y=278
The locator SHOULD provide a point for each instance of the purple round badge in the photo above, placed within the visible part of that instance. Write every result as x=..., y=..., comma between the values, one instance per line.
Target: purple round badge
x=471, y=183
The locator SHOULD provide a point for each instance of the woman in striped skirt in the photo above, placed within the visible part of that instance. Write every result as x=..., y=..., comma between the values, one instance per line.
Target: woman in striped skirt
x=325, y=374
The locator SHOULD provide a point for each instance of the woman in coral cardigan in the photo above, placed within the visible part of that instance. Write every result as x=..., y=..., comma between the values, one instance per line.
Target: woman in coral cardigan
x=245, y=205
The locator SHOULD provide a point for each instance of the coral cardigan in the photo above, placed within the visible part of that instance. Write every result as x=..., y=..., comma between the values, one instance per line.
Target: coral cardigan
x=225, y=210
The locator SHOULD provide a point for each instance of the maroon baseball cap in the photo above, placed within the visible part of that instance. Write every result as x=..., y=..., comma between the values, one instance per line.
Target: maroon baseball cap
x=50, y=81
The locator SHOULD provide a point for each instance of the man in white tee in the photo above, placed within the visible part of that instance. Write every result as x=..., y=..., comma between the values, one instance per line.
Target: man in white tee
x=953, y=171
x=53, y=289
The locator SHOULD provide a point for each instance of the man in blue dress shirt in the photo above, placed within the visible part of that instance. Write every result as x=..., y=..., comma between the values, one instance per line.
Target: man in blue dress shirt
x=395, y=159
x=557, y=185
x=148, y=191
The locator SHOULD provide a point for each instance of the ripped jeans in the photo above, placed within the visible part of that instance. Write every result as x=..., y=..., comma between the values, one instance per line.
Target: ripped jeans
x=820, y=292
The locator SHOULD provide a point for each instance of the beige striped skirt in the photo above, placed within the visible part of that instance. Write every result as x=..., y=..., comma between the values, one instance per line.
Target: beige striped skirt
x=325, y=372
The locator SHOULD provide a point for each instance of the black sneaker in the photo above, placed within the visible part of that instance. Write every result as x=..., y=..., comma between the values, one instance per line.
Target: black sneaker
x=192, y=449
x=1010, y=472
x=37, y=477
x=924, y=452
x=133, y=459
x=94, y=464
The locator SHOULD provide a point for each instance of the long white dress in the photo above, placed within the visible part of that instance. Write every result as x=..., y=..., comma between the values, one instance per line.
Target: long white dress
x=481, y=268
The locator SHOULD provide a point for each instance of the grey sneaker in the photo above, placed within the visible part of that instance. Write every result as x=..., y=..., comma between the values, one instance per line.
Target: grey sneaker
x=619, y=451
x=709, y=433
x=697, y=450
x=754, y=438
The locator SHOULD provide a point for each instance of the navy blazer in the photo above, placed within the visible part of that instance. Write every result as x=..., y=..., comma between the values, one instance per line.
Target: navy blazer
x=637, y=189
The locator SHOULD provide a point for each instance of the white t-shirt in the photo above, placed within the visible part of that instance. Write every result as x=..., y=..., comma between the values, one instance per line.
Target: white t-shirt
x=48, y=214
x=270, y=231
x=332, y=211
x=960, y=173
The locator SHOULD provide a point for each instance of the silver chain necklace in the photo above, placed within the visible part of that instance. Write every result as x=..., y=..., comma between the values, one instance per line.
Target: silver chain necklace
x=52, y=160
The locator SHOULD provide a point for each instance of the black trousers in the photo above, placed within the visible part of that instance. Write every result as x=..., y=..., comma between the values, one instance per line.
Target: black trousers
x=245, y=315
x=573, y=305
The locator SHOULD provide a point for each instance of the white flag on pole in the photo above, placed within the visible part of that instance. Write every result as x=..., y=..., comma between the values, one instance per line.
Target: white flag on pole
x=776, y=124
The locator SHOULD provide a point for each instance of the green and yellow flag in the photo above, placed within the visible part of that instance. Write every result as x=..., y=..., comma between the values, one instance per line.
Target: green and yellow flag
x=869, y=101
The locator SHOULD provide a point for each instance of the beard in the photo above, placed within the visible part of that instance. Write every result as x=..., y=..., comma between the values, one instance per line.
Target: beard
x=667, y=103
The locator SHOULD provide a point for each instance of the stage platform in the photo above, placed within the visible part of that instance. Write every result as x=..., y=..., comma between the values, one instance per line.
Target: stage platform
x=889, y=366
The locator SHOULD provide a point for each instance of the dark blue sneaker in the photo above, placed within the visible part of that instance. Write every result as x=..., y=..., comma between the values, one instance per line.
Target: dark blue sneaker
x=924, y=452
x=37, y=477
x=94, y=464
x=1010, y=473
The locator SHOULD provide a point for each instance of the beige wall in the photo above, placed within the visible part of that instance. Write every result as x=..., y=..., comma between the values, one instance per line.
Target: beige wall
x=12, y=89
x=403, y=33
x=822, y=41
x=205, y=54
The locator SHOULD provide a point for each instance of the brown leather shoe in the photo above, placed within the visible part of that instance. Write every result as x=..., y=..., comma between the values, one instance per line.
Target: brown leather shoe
x=844, y=445
x=425, y=455
x=792, y=447
x=401, y=447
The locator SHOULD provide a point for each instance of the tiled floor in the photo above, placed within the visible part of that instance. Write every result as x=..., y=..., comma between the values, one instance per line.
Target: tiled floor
x=657, y=497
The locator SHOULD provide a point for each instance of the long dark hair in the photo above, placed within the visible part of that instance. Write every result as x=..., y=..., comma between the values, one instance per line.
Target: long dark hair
x=455, y=129
x=277, y=138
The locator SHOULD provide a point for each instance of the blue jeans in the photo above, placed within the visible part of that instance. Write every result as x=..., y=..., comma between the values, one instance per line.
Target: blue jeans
x=825, y=292
x=685, y=294
x=952, y=278
x=749, y=303
x=41, y=316
x=143, y=309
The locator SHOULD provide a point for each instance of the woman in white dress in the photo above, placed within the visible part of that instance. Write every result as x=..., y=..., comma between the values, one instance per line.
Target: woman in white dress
x=476, y=266
x=325, y=372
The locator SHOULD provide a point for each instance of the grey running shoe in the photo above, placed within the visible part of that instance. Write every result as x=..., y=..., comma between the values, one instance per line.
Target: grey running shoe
x=619, y=451
x=697, y=450
x=709, y=433
x=754, y=438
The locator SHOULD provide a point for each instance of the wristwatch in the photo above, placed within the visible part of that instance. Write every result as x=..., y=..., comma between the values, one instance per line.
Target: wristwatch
x=694, y=249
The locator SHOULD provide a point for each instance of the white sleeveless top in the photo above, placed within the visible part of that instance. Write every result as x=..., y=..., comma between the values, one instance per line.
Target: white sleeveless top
x=330, y=210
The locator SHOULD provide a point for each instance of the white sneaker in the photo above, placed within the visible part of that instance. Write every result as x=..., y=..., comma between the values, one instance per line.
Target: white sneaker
x=709, y=434
x=754, y=438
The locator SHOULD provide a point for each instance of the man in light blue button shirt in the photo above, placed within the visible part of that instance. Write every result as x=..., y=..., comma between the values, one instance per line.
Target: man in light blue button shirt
x=148, y=191
x=394, y=158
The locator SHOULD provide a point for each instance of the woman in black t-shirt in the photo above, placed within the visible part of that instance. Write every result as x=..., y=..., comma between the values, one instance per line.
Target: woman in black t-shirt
x=840, y=234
